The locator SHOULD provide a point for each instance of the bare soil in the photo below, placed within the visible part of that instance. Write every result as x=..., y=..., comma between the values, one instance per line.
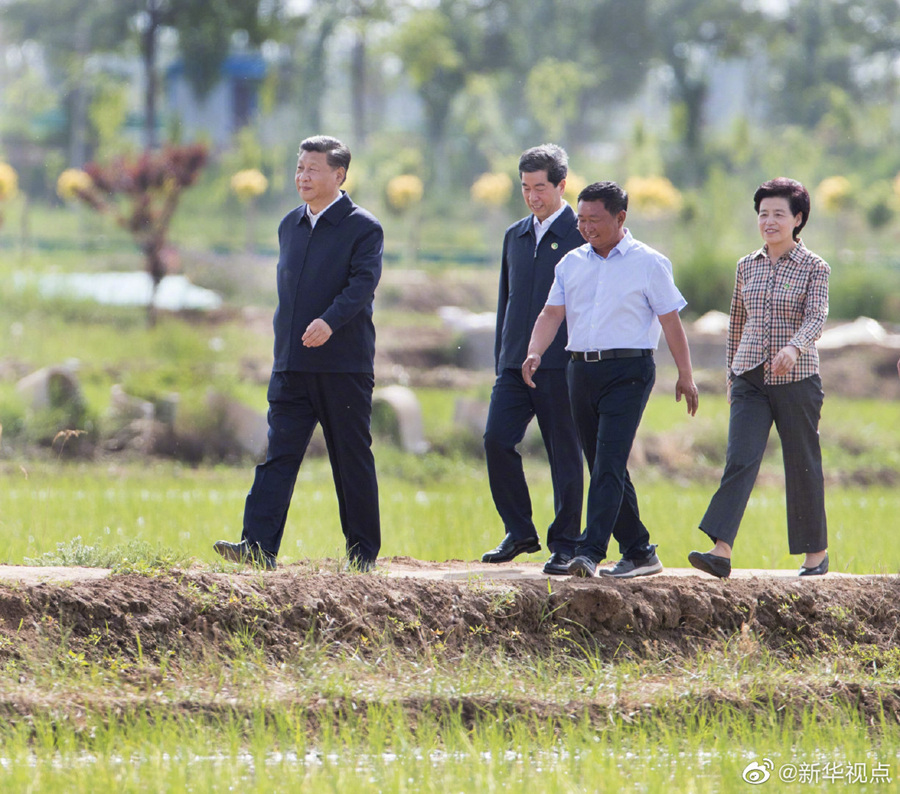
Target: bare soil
x=458, y=603
x=444, y=610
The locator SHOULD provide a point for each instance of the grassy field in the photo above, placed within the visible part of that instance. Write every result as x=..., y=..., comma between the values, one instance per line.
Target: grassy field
x=432, y=509
x=268, y=753
x=87, y=717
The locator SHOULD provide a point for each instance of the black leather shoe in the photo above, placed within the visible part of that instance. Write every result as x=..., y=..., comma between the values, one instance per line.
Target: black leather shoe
x=558, y=564
x=509, y=549
x=582, y=566
x=359, y=565
x=244, y=552
x=820, y=570
x=710, y=563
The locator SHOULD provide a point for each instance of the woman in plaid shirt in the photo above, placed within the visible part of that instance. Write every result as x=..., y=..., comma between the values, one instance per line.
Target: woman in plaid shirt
x=778, y=309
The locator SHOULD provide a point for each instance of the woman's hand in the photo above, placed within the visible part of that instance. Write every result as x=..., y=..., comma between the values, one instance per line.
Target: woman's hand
x=784, y=360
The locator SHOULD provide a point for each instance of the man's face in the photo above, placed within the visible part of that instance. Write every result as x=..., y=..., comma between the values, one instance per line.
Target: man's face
x=602, y=230
x=541, y=195
x=317, y=182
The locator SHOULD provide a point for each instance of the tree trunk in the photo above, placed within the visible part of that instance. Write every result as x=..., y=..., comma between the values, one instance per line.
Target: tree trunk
x=316, y=72
x=358, y=88
x=78, y=125
x=148, y=51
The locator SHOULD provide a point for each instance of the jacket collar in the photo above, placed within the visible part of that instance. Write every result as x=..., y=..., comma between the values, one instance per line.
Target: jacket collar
x=560, y=227
x=334, y=214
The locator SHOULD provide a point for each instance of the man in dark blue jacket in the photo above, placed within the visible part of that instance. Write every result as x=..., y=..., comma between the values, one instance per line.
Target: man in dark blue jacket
x=328, y=267
x=531, y=249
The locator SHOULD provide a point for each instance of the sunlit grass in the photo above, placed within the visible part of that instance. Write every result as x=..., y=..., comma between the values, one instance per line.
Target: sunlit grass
x=382, y=722
x=431, y=509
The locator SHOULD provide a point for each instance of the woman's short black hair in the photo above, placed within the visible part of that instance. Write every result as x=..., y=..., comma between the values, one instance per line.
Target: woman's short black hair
x=793, y=191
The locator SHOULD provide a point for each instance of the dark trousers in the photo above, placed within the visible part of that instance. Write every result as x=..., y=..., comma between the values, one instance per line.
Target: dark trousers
x=608, y=399
x=795, y=409
x=342, y=402
x=513, y=405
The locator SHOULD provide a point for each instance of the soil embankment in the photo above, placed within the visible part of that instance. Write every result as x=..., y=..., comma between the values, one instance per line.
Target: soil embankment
x=137, y=629
x=413, y=605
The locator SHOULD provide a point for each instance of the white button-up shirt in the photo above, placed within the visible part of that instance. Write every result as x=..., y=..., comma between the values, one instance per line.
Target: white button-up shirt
x=614, y=301
x=541, y=227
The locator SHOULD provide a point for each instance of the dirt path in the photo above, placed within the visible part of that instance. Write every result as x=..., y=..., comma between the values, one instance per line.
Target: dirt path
x=414, y=605
x=409, y=568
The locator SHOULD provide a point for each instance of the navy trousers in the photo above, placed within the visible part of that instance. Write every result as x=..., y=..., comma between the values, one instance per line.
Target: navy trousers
x=513, y=405
x=795, y=409
x=342, y=403
x=608, y=399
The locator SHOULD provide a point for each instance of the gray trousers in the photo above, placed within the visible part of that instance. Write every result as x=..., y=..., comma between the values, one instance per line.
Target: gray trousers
x=795, y=409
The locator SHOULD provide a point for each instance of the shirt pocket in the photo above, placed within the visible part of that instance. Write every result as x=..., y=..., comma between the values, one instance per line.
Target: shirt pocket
x=789, y=298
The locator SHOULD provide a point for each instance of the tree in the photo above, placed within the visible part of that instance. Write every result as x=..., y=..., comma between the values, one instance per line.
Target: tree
x=142, y=195
x=690, y=37
x=70, y=30
x=439, y=47
x=820, y=51
x=204, y=31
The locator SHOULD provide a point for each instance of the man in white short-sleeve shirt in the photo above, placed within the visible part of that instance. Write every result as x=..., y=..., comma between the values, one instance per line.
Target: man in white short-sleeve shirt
x=616, y=295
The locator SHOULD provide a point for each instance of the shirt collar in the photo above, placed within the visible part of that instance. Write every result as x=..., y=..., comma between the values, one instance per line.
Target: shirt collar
x=621, y=248
x=546, y=224
x=796, y=253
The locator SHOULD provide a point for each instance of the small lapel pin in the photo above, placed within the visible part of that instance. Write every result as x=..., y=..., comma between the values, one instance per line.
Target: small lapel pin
x=554, y=246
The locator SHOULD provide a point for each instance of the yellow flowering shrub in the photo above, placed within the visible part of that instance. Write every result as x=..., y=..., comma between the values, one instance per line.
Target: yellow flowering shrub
x=71, y=182
x=835, y=193
x=9, y=181
x=249, y=184
x=574, y=185
x=404, y=191
x=492, y=189
x=653, y=195
x=897, y=186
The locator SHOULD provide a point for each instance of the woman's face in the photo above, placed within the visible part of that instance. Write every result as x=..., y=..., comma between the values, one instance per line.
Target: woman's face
x=776, y=222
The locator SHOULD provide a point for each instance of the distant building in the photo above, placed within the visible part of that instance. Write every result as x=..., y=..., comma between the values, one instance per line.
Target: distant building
x=231, y=103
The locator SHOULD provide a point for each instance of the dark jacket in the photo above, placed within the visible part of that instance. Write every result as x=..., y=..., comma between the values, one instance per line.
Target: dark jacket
x=329, y=272
x=526, y=276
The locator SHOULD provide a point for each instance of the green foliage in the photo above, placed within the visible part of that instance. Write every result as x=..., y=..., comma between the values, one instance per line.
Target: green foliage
x=107, y=113
x=129, y=556
x=552, y=92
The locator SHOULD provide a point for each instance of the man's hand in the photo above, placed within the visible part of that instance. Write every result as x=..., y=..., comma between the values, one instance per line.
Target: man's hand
x=728, y=391
x=784, y=360
x=318, y=332
x=530, y=367
x=685, y=386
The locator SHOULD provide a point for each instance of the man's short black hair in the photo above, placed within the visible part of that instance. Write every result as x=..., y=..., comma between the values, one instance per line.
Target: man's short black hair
x=793, y=191
x=613, y=196
x=547, y=157
x=337, y=154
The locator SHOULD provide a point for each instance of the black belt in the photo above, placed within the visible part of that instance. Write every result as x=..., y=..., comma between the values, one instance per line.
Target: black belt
x=618, y=352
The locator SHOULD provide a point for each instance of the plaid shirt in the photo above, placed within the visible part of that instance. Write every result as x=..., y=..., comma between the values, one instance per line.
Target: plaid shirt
x=777, y=305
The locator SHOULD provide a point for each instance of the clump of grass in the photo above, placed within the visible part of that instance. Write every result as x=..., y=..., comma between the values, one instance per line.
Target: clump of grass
x=134, y=555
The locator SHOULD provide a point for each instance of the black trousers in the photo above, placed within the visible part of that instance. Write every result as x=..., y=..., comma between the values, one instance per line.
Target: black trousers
x=795, y=409
x=342, y=403
x=513, y=405
x=608, y=400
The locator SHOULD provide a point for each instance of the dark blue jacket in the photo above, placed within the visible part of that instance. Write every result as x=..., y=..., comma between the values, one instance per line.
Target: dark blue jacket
x=526, y=276
x=329, y=272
